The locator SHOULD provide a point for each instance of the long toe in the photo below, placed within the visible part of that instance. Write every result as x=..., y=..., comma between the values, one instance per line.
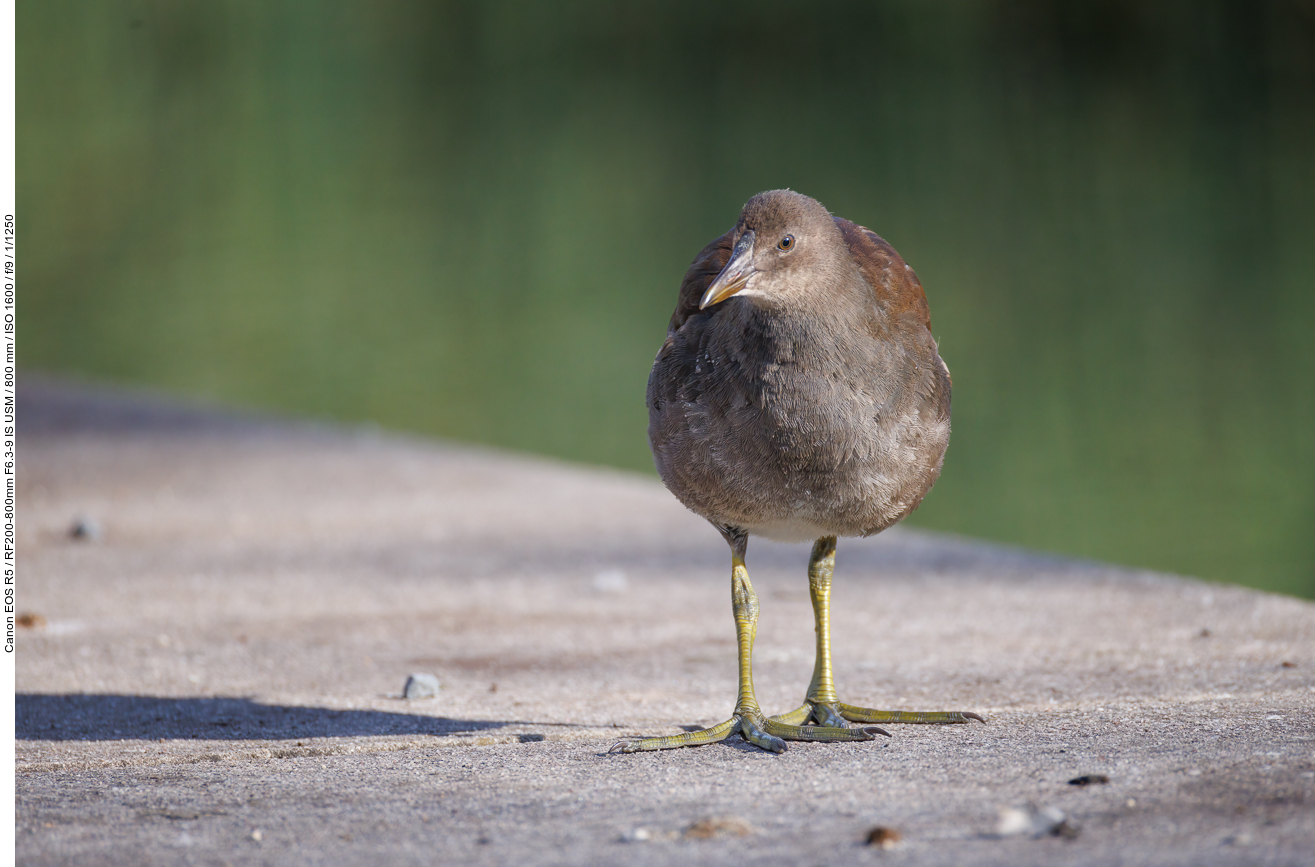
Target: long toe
x=710, y=735
x=907, y=717
x=790, y=732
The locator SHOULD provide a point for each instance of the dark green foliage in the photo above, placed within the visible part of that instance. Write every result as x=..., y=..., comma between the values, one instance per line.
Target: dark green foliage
x=471, y=219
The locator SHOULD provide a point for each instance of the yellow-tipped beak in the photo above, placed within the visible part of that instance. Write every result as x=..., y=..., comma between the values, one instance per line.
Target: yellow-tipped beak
x=735, y=276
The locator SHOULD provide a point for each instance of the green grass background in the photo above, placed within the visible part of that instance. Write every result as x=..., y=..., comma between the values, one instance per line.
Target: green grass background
x=470, y=220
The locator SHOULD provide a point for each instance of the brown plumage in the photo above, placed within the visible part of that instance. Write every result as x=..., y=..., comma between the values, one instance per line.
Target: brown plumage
x=798, y=396
x=810, y=400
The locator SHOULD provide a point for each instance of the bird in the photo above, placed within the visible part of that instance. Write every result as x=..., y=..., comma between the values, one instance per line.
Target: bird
x=799, y=396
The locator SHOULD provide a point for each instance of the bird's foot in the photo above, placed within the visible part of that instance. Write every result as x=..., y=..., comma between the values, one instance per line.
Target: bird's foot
x=710, y=735
x=839, y=714
x=770, y=733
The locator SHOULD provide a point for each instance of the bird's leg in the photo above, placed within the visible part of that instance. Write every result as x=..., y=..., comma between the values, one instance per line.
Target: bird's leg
x=822, y=703
x=748, y=719
x=744, y=604
x=821, y=565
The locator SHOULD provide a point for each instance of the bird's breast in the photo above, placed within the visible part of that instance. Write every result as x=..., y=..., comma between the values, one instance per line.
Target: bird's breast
x=759, y=423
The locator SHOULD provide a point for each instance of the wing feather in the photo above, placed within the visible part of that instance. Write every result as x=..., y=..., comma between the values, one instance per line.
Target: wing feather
x=895, y=285
x=705, y=268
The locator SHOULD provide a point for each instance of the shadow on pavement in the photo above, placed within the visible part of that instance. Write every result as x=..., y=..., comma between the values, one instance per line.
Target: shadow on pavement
x=81, y=717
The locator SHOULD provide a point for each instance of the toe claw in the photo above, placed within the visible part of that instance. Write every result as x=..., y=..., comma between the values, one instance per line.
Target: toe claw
x=875, y=730
x=618, y=747
x=970, y=715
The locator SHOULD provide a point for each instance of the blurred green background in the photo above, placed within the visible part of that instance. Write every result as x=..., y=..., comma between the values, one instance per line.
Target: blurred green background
x=470, y=220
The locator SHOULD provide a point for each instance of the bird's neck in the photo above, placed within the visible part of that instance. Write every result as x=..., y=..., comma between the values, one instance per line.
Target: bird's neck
x=783, y=329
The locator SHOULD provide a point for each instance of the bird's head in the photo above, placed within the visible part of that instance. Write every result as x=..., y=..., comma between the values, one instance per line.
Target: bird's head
x=784, y=243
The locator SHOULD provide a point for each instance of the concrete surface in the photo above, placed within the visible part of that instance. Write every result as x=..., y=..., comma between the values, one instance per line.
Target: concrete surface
x=213, y=673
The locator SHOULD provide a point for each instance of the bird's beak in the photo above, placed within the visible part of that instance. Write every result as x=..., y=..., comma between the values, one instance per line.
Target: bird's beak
x=735, y=276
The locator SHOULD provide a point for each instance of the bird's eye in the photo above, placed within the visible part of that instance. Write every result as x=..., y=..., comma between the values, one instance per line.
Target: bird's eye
x=786, y=243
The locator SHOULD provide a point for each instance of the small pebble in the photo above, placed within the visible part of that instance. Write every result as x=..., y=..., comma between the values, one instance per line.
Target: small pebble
x=886, y=838
x=30, y=620
x=85, y=529
x=420, y=685
x=1047, y=821
x=257, y=835
x=1013, y=822
x=531, y=739
x=718, y=826
x=611, y=581
x=649, y=835
x=1089, y=780
x=1065, y=829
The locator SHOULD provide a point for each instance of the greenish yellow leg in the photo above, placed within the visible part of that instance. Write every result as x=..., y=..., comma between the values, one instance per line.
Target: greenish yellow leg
x=748, y=719
x=821, y=566
x=822, y=703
